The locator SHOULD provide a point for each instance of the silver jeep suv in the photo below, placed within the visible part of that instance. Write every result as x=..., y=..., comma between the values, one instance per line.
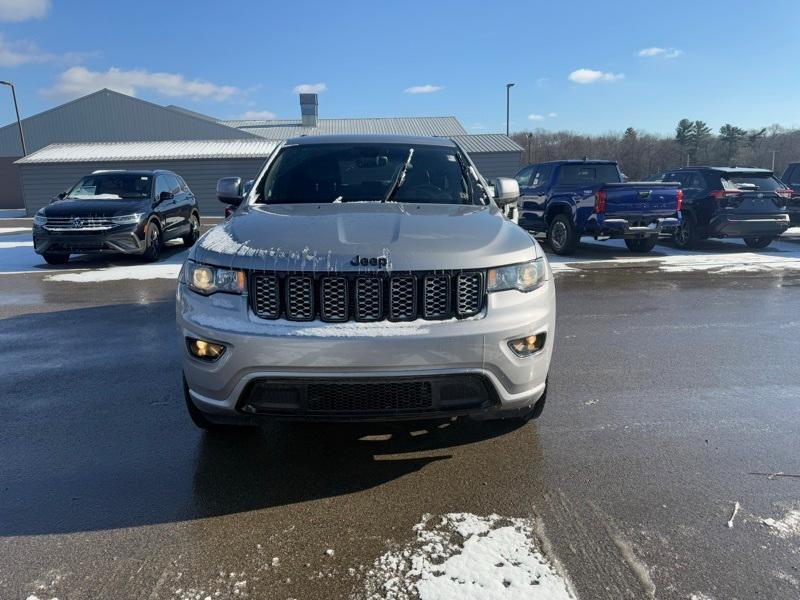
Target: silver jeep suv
x=365, y=278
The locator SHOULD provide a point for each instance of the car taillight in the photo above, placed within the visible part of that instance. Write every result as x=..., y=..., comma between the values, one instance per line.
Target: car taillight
x=679, y=197
x=719, y=194
x=600, y=202
x=785, y=192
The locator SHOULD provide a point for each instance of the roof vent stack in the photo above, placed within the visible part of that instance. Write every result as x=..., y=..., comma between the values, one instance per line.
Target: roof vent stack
x=308, y=109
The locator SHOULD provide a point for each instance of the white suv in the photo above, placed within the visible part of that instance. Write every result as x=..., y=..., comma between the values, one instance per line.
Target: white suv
x=365, y=278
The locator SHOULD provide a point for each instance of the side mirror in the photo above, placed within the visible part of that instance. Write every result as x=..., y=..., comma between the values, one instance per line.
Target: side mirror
x=229, y=190
x=61, y=195
x=506, y=190
x=164, y=196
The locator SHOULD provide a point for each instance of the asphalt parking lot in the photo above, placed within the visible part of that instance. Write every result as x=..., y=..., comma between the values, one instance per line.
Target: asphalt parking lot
x=674, y=400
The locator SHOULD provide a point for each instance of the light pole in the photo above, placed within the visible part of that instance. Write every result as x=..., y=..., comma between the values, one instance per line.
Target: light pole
x=508, y=106
x=530, y=137
x=16, y=109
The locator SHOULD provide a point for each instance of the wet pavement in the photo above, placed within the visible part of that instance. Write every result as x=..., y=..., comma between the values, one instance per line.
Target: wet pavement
x=667, y=391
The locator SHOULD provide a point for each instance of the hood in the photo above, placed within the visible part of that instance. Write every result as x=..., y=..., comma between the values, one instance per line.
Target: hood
x=329, y=237
x=95, y=208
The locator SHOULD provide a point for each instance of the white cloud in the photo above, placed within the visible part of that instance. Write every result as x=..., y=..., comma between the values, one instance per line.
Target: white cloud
x=310, y=88
x=656, y=52
x=542, y=81
x=476, y=126
x=552, y=115
x=22, y=10
x=258, y=115
x=79, y=81
x=14, y=54
x=584, y=76
x=423, y=89
x=535, y=117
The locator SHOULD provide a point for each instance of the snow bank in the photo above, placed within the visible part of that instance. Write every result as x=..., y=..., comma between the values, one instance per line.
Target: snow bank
x=460, y=556
x=150, y=271
x=780, y=256
x=15, y=244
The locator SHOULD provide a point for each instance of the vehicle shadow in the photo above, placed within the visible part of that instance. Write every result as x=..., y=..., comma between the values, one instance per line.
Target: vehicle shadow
x=94, y=433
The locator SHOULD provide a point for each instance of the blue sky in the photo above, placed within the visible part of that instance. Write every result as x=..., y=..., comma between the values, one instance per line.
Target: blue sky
x=576, y=64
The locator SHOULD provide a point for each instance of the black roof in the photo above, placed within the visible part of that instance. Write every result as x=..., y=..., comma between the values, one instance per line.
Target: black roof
x=728, y=170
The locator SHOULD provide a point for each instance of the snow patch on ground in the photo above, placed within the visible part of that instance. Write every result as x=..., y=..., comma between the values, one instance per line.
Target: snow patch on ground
x=15, y=244
x=728, y=256
x=787, y=527
x=460, y=556
x=150, y=271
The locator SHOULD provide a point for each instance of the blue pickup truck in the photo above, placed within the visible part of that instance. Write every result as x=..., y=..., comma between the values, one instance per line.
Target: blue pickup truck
x=568, y=199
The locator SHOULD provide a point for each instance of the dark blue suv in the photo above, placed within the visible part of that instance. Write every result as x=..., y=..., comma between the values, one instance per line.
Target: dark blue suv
x=739, y=202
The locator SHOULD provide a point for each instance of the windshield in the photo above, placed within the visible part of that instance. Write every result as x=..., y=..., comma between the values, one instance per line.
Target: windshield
x=590, y=174
x=112, y=186
x=325, y=173
x=759, y=182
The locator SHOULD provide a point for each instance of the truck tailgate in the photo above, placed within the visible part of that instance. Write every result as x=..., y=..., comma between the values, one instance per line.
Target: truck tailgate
x=641, y=199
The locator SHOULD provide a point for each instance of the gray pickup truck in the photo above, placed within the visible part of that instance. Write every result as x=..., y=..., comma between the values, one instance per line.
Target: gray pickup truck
x=365, y=278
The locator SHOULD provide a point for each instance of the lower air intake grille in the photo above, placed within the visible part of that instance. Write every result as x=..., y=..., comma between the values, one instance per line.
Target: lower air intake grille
x=361, y=397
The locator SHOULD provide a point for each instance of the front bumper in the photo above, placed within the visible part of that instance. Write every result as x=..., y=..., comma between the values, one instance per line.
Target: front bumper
x=471, y=352
x=749, y=225
x=633, y=227
x=124, y=239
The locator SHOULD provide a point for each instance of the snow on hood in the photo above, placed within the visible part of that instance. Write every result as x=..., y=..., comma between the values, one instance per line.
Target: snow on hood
x=327, y=237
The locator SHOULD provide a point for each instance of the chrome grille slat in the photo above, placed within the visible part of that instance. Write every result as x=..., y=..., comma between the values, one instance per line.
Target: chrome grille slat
x=369, y=297
x=77, y=223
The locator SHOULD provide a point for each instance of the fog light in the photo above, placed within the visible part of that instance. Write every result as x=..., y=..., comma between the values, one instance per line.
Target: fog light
x=530, y=344
x=204, y=350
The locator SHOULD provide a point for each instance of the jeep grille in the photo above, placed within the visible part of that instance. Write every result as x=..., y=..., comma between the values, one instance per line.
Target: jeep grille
x=344, y=297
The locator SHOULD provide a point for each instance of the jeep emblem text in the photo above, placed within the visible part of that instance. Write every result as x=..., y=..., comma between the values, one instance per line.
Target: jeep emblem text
x=373, y=261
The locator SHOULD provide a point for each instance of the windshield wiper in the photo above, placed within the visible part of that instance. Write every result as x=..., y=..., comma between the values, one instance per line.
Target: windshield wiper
x=400, y=178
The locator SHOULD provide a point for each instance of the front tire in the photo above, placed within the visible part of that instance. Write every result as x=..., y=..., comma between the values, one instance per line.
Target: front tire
x=758, y=242
x=562, y=236
x=153, y=241
x=194, y=231
x=642, y=245
x=53, y=258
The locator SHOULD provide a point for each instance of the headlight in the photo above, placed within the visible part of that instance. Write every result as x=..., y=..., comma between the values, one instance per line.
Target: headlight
x=39, y=218
x=205, y=279
x=127, y=219
x=523, y=277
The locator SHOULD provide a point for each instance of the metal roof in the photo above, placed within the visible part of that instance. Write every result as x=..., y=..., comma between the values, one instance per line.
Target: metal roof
x=487, y=142
x=419, y=126
x=374, y=139
x=161, y=150
x=109, y=116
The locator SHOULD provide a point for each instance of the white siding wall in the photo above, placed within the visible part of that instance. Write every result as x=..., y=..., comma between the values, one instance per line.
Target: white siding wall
x=497, y=164
x=40, y=182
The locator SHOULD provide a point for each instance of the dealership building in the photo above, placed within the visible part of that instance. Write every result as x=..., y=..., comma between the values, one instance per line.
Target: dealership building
x=110, y=130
